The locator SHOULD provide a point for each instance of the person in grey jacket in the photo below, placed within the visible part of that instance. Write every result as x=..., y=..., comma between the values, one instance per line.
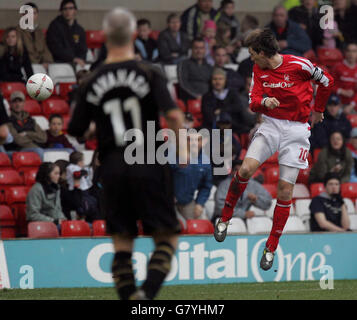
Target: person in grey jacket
x=255, y=194
x=43, y=202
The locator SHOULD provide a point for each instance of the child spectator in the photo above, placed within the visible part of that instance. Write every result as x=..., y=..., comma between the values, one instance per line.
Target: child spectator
x=35, y=42
x=145, y=46
x=43, y=201
x=209, y=35
x=14, y=58
x=56, y=139
x=226, y=15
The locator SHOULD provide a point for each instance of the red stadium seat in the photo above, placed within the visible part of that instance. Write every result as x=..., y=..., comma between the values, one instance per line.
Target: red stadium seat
x=316, y=189
x=33, y=107
x=42, y=229
x=5, y=162
x=94, y=38
x=16, y=194
x=271, y=175
x=303, y=176
x=19, y=211
x=199, y=226
x=272, y=189
x=316, y=154
x=353, y=120
x=7, y=223
x=8, y=87
x=349, y=190
x=65, y=88
x=51, y=106
x=329, y=57
x=9, y=177
x=99, y=228
x=75, y=228
x=181, y=105
x=25, y=159
x=28, y=175
x=154, y=34
x=194, y=106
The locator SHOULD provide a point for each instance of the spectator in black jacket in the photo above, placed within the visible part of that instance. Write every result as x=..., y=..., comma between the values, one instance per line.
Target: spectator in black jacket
x=308, y=17
x=14, y=57
x=346, y=21
x=66, y=39
x=173, y=44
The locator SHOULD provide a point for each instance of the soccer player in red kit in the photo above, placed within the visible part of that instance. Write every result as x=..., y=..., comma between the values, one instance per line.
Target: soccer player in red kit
x=281, y=90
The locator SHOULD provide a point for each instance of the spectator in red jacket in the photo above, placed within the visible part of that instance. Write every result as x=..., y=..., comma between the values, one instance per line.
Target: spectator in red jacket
x=56, y=139
x=345, y=74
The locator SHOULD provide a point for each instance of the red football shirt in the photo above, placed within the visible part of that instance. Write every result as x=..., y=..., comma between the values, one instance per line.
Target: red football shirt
x=290, y=83
x=346, y=78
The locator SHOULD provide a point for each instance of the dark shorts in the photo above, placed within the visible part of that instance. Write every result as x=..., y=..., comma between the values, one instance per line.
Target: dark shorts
x=139, y=193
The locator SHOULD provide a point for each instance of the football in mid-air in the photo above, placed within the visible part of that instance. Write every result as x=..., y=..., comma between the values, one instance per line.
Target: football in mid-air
x=39, y=86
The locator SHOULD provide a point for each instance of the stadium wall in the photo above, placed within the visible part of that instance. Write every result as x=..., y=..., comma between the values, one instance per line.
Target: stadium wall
x=86, y=262
x=91, y=12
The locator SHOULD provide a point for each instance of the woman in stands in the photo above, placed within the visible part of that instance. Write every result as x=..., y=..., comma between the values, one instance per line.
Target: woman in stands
x=43, y=202
x=14, y=57
x=336, y=157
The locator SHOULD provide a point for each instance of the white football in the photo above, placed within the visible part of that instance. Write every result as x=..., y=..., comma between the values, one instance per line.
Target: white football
x=39, y=86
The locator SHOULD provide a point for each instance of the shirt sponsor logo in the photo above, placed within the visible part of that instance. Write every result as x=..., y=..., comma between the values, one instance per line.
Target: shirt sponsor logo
x=264, y=76
x=283, y=84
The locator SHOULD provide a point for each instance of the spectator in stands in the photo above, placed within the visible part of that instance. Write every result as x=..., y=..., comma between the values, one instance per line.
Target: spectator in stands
x=173, y=44
x=335, y=120
x=66, y=39
x=56, y=139
x=308, y=17
x=345, y=20
x=328, y=210
x=194, y=74
x=250, y=117
x=27, y=134
x=194, y=17
x=209, y=36
x=196, y=176
x=5, y=135
x=234, y=80
x=291, y=37
x=249, y=23
x=80, y=180
x=254, y=195
x=345, y=75
x=226, y=15
x=43, y=202
x=352, y=146
x=336, y=157
x=67, y=197
x=81, y=75
x=221, y=99
x=35, y=42
x=145, y=46
x=13, y=57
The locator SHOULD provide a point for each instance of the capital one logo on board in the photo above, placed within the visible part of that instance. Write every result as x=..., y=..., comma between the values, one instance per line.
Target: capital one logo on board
x=195, y=262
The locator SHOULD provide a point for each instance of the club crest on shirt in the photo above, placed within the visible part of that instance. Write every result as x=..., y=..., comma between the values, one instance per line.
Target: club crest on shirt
x=286, y=77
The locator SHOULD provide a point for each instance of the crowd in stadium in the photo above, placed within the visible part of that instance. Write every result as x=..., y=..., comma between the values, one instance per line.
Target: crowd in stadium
x=209, y=71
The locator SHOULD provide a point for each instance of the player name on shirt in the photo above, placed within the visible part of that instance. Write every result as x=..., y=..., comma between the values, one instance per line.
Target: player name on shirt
x=120, y=78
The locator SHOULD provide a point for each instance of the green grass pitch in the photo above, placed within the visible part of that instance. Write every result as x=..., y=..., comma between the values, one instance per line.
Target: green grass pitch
x=299, y=290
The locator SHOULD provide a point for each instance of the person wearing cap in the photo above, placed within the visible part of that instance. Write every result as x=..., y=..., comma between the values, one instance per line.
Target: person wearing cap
x=352, y=146
x=328, y=211
x=254, y=195
x=222, y=99
x=27, y=134
x=334, y=120
x=66, y=39
x=34, y=41
x=336, y=157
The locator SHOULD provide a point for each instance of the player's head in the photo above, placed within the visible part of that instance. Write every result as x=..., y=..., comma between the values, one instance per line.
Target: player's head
x=332, y=183
x=48, y=173
x=119, y=26
x=262, y=46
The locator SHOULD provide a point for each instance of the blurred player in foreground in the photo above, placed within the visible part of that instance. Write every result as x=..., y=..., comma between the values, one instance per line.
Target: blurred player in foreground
x=281, y=90
x=124, y=94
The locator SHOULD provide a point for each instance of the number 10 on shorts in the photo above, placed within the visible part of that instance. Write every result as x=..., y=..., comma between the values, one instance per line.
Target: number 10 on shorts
x=303, y=154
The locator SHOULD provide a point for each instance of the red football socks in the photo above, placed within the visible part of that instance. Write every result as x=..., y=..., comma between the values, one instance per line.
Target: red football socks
x=236, y=189
x=281, y=215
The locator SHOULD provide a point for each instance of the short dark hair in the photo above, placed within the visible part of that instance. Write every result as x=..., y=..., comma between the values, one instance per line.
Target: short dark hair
x=215, y=48
x=64, y=2
x=75, y=157
x=225, y=2
x=331, y=175
x=53, y=116
x=43, y=173
x=262, y=40
x=251, y=21
x=33, y=5
x=172, y=16
x=142, y=22
x=197, y=39
x=62, y=164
